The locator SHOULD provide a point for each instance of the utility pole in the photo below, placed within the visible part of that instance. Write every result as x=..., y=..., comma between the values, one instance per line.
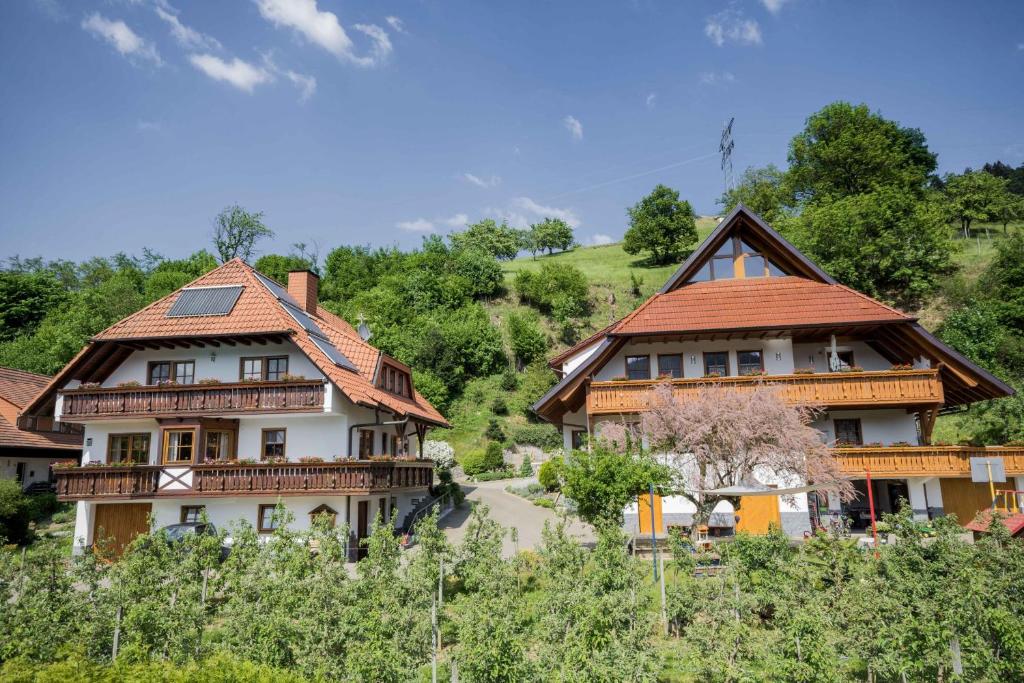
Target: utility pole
x=725, y=148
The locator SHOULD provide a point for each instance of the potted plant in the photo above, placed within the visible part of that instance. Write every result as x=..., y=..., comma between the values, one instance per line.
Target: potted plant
x=804, y=371
x=64, y=465
x=209, y=380
x=310, y=459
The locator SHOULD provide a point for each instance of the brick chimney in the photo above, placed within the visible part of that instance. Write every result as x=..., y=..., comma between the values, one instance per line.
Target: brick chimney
x=303, y=286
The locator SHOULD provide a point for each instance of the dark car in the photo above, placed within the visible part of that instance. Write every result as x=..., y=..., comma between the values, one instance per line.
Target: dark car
x=176, y=533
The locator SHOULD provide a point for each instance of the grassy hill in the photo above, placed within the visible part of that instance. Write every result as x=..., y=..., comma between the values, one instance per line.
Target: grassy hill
x=608, y=269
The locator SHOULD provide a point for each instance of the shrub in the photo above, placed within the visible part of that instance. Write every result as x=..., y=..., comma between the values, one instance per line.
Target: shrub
x=509, y=380
x=494, y=431
x=550, y=473
x=526, y=338
x=42, y=505
x=494, y=475
x=543, y=436
x=494, y=456
x=15, y=513
x=560, y=290
x=544, y=503
x=432, y=388
x=474, y=462
x=526, y=468
x=441, y=452
x=499, y=406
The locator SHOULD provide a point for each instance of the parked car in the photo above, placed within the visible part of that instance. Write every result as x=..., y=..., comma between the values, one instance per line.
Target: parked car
x=176, y=533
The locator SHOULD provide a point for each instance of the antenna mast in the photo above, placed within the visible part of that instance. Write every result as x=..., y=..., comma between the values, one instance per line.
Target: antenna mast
x=725, y=149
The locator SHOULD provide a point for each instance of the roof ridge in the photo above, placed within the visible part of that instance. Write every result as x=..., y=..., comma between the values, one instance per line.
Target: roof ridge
x=39, y=375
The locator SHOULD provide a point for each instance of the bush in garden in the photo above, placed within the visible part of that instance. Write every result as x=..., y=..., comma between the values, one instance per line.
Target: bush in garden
x=509, y=380
x=499, y=406
x=494, y=456
x=550, y=473
x=488, y=460
x=543, y=436
x=15, y=513
x=494, y=431
x=441, y=452
x=526, y=467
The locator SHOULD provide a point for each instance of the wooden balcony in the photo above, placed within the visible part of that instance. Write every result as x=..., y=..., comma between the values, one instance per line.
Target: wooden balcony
x=902, y=388
x=167, y=400
x=349, y=477
x=924, y=461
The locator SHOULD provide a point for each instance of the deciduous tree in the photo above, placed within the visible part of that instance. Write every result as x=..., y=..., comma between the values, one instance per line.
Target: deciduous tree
x=662, y=225
x=236, y=232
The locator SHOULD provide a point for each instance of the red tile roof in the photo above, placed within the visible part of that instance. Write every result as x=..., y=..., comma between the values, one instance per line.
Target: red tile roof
x=17, y=389
x=258, y=311
x=754, y=303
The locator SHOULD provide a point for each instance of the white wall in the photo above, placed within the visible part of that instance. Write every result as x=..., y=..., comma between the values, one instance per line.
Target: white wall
x=224, y=367
x=36, y=469
x=814, y=356
x=574, y=361
x=878, y=425
x=778, y=356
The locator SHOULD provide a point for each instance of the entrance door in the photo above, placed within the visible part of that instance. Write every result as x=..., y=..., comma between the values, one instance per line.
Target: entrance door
x=756, y=513
x=362, y=525
x=19, y=473
x=644, y=509
x=116, y=525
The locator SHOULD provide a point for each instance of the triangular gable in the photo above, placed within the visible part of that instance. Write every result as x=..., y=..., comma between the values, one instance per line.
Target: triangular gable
x=748, y=226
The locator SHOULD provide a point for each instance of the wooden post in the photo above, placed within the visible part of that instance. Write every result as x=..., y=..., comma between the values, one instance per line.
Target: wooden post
x=654, y=538
x=871, y=507
x=664, y=610
x=117, y=633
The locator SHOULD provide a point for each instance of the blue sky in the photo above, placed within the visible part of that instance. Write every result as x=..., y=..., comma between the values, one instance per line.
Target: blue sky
x=129, y=124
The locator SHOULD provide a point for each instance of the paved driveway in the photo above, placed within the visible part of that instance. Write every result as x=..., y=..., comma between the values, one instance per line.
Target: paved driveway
x=511, y=512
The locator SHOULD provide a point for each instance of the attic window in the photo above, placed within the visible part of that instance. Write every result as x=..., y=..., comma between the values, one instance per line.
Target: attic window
x=395, y=381
x=198, y=301
x=736, y=258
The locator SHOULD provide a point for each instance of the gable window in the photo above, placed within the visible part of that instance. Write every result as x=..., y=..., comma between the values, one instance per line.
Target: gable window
x=750, y=362
x=736, y=258
x=192, y=514
x=266, y=520
x=365, y=443
x=670, y=365
x=716, y=363
x=723, y=262
x=178, y=371
x=128, y=448
x=272, y=443
x=638, y=367
x=263, y=369
x=217, y=444
x=848, y=432
x=394, y=380
x=179, y=445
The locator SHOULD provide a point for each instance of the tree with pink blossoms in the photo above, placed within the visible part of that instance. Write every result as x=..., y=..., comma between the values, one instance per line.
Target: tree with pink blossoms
x=724, y=436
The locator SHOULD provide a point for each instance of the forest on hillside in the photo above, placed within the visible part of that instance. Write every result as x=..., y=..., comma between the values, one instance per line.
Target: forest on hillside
x=860, y=195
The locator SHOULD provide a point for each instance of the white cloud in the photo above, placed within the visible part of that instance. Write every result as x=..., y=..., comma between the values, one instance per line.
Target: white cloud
x=149, y=126
x=323, y=28
x=493, y=181
x=397, y=24
x=121, y=38
x=459, y=220
x=600, y=239
x=305, y=83
x=186, y=36
x=417, y=225
x=573, y=125
x=530, y=206
x=240, y=74
x=651, y=100
x=716, y=78
x=774, y=6
x=731, y=26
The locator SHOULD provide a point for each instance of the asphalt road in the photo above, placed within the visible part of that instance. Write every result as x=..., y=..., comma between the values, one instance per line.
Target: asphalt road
x=510, y=511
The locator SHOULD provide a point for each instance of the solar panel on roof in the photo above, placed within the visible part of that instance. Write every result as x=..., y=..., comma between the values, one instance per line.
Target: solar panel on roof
x=307, y=323
x=196, y=301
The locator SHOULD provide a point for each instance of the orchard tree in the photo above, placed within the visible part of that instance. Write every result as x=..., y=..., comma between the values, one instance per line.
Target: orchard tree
x=550, y=234
x=500, y=241
x=236, y=231
x=974, y=196
x=726, y=437
x=661, y=224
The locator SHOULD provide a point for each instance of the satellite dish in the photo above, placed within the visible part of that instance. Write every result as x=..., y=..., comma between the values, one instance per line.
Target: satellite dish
x=364, y=329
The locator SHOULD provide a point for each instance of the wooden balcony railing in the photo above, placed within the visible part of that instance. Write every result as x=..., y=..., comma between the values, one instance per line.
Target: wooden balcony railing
x=839, y=389
x=193, y=399
x=924, y=461
x=349, y=477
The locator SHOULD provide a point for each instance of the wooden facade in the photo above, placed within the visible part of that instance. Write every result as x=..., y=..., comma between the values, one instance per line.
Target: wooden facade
x=192, y=399
x=924, y=461
x=827, y=390
x=350, y=477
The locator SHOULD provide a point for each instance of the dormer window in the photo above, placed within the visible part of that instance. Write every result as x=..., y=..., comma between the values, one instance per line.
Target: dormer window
x=394, y=380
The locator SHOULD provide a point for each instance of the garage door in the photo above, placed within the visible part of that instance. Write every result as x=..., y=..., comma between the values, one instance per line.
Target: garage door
x=116, y=525
x=965, y=498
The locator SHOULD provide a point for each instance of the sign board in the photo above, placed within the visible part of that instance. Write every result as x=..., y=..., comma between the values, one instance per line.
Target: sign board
x=980, y=470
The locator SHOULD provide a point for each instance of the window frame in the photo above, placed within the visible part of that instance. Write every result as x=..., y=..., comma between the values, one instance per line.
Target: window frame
x=860, y=430
x=671, y=355
x=131, y=436
x=264, y=374
x=166, y=441
x=186, y=509
x=264, y=444
x=708, y=371
x=577, y=439
x=229, y=451
x=739, y=365
x=259, y=518
x=172, y=372
x=646, y=357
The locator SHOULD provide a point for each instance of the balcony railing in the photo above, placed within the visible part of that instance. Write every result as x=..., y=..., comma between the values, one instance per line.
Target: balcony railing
x=193, y=399
x=924, y=461
x=840, y=389
x=349, y=477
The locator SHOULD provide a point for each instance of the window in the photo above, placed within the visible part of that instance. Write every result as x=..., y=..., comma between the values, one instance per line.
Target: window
x=128, y=448
x=273, y=443
x=266, y=520
x=264, y=368
x=638, y=367
x=670, y=365
x=178, y=371
x=383, y=444
x=848, y=432
x=716, y=363
x=217, y=445
x=723, y=263
x=394, y=380
x=365, y=443
x=579, y=439
x=750, y=362
x=179, y=445
x=192, y=514
x=394, y=445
